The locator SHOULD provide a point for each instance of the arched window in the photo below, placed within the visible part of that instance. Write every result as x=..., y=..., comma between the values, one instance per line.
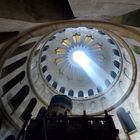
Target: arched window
x=13, y=82
x=111, y=41
x=90, y=92
x=45, y=48
x=117, y=64
x=43, y=58
x=8, y=69
x=19, y=97
x=113, y=74
x=49, y=77
x=23, y=48
x=101, y=32
x=52, y=38
x=44, y=68
x=54, y=85
x=28, y=110
x=62, y=90
x=107, y=82
x=116, y=52
x=71, y=92
x=80, y=93
x=125, y=120
x=99, y=89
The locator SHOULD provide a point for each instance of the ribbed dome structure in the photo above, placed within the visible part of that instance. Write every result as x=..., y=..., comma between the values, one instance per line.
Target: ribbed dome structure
x=39, y=64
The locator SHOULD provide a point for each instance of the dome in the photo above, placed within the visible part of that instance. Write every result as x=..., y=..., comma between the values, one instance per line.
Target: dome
x=82, y=60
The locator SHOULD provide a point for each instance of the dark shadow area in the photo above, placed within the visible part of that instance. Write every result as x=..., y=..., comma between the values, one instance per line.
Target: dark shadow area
x=36, y=10
x=132, y=19
x=5, y=36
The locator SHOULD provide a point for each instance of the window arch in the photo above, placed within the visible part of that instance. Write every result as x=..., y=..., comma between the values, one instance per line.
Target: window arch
x=90, y=92
x=117, y=64
x=49, y=77
x=101, y=32
x=99, y=89
x=8, y=69
x=43, y=58
x=80, y=93
x=125, y=120
x=52, y=38
x=28, y=110
x=113, y=74
x=116, y=52
x=10, y=84
x=54, y=85
x=71, y=92
x=107, y=82
x=23, y=48
x=111, y=41
x=45, y=47
x=44, y=68
x=62, y=90
x=16, y=100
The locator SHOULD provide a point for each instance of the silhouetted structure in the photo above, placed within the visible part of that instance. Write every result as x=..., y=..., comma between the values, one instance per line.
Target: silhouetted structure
x=68, y=127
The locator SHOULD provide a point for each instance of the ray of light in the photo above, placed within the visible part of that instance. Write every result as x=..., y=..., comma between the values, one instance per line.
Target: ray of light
x=95, y=73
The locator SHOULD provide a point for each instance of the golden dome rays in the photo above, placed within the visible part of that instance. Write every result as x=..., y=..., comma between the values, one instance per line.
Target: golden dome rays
x=66, y=42
x=59, y=60
x=76, y=38
x=88, y=39
x=60, y=51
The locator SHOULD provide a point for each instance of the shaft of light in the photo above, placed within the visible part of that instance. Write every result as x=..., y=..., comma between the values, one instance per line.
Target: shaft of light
x=96, y=74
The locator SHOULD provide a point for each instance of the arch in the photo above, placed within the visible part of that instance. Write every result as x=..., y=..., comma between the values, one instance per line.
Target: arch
x=80, y=93
x=8, y=69
x=99, y=89
x=111, y=41
x=107, y=82
x=101, y=32
x=44, y=68
x=52, y=38
x=117, y=64
x=54, y=85
x=45, y=48
x=49, y=77
x=16, y=100
x=71, y=92
x=62, y=90
x=28, y=110
x=23, y=48
x=43, y=58
x=13, y=82
x=5, y=36
x=90, y=92
x=116, y=52
x=113, y=74
x=125, y=120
